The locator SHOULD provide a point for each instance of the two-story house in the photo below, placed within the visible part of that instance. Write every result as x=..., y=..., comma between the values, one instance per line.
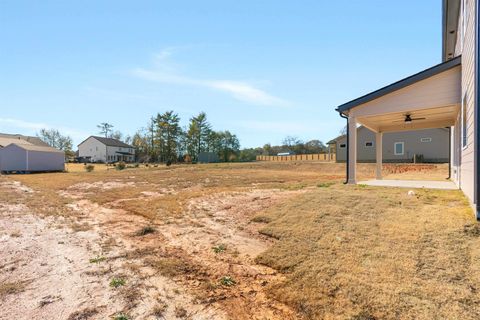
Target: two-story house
x=101, y=149
x=443, y=96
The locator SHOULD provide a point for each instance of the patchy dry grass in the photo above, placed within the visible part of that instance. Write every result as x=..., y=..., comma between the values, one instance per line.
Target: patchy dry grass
x=376, y=253
x=344, y=252
x=7, y=288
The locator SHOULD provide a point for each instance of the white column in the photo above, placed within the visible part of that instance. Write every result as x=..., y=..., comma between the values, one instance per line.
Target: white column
x=352, y=150
x=379, y=150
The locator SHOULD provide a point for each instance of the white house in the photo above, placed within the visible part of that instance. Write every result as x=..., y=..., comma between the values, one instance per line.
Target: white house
x=445, y=95
x=101, y=149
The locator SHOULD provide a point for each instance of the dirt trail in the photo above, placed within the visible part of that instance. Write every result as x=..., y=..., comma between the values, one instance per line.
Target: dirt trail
x=50, y=259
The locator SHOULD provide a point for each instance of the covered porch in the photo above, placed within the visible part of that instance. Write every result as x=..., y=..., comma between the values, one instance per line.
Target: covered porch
x=429, y=99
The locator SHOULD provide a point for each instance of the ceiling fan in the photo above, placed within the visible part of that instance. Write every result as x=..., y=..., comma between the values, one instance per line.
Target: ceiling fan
x=408, y=119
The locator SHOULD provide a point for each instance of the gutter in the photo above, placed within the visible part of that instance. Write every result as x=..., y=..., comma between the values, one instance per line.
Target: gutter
x=348, y=146
x=477, y=114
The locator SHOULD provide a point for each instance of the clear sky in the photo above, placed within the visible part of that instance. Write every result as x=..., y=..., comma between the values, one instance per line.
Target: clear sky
x=261, y=69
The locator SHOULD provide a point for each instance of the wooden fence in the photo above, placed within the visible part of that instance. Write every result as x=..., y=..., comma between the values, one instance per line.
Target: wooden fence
x=326, y=157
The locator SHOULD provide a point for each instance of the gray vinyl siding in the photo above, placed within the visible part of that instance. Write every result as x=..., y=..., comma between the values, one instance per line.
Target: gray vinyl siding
x=466, y=171
x=434, y=151
x=15, y=158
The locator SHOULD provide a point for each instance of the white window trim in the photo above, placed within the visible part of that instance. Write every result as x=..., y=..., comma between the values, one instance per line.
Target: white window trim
x=395, y=148
x=426, y=139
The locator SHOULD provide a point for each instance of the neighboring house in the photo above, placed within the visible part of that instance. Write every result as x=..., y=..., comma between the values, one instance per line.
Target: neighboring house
x=430, y=145
x=445, y=95
x=101, y=149
x=6, y=138
x=20, y=153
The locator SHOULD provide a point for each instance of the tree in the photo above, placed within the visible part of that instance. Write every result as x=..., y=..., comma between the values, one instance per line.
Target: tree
x=56, y=140
x=315, y=146
x=229, y=145
x=168, y=135
x=116, y=135
x=198, y=133
x=105, y=128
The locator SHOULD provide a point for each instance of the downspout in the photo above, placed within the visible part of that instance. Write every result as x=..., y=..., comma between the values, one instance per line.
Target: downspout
x=348, y=145
x=477, y=114
x=449, y=153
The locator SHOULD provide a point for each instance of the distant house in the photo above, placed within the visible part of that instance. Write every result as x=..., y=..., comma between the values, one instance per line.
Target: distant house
x=430, y=145
x=101, y=149
x=20, y=153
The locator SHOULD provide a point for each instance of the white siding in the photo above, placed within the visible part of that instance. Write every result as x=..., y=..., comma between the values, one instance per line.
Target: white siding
x=93, y=149
x=467, y=50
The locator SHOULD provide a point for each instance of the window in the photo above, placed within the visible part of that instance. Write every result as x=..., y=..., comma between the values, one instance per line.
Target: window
x=343, y=145
x=398, y=148
x=426, y=140
x=369, y=144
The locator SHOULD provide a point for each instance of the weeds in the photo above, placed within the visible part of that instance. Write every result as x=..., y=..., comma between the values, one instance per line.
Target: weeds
x=117, y=282
x=97, y=259
x=227, y=281
x=261, y=219
x=89, y=167
x=325, y=184
x=84, y=314
x=121, y=316
x=180, y=312
x=219, y=248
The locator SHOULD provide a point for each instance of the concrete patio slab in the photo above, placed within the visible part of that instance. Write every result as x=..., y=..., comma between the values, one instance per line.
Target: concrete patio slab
x=445, y=185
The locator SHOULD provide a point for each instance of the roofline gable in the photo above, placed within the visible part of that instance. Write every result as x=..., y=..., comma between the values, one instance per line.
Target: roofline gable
x=422, y=75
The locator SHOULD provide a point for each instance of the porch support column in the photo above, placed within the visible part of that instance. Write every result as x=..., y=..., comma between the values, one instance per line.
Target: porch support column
x=352, y=150
x=379, y=150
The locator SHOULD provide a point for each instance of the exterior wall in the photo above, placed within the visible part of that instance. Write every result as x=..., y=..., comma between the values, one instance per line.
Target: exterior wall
x=99, y=152
x=46, y=161
x=93, y=149
x=113, y=155
x=466, y=47
x=14, y=158
x=434, y=151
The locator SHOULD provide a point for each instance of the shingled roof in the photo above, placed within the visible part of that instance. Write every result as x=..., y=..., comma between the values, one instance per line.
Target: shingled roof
x=110, y=142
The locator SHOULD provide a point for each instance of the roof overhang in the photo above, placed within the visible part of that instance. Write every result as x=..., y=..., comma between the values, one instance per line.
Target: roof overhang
x=450, y=14
x=432, y=96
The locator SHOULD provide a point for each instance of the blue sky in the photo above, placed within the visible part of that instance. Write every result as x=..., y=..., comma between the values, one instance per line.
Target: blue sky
x=261, y=69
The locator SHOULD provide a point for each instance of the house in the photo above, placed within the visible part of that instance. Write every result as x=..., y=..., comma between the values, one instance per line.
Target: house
x=101, y=149
x=20, y=153
x=445, y=95
x=6, y=139
x=429, y=145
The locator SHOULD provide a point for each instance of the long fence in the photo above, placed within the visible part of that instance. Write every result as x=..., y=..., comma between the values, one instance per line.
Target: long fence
x=326, y=157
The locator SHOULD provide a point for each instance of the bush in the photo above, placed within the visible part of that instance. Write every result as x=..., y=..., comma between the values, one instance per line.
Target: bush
x=136, y=165
x=89, y=167
x=120, y=166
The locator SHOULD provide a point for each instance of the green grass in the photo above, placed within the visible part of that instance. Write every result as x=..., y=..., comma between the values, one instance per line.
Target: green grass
x=117, y=282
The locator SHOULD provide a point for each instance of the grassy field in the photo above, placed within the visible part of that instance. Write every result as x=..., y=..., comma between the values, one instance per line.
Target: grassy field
x=235, y=241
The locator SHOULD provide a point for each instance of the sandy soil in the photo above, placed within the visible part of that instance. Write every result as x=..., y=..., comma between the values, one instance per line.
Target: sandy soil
x=49, y=259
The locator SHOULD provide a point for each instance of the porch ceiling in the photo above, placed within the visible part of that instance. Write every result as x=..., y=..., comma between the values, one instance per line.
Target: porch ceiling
x=433, y=95
x=433, y=118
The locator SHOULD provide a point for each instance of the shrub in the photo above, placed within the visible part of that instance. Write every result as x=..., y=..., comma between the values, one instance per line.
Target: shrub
x=136, y=165
x=89, y=167
x=120, y=166
x=220, y=248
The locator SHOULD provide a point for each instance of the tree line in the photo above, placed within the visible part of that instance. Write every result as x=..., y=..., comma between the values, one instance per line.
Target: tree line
x=290, y=144
x=165, y=140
